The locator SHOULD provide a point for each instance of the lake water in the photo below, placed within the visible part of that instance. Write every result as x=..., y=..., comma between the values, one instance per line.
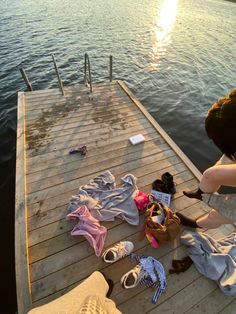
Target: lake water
x=177, y=56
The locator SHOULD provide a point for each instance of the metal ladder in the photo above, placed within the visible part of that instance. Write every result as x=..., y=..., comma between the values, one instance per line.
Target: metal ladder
x=87, y=74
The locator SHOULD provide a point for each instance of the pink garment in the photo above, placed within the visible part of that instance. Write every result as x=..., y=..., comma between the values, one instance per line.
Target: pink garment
x=141, y=201
x=89, y=227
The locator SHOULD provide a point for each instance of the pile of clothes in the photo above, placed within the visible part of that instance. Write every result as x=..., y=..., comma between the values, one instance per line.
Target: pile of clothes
x=101, y=200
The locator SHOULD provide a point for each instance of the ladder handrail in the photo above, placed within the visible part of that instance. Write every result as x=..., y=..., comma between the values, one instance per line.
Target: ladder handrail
x=58, y=76
x=25, y=78
x=110, y=67
x=86, y=80
x=87, y=62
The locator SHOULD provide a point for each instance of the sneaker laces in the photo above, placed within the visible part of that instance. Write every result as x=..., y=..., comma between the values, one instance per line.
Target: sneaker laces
x=141, y=273
x=119, y=249
x=135, y=276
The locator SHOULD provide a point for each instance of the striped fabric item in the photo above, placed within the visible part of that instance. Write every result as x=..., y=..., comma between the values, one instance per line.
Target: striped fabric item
x=155, y=274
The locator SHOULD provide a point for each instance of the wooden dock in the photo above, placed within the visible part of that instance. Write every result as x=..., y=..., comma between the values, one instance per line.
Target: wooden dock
x=49, y=261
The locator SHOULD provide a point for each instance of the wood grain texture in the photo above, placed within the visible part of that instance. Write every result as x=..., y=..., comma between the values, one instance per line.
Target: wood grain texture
x=57, y=261
x=21, y=236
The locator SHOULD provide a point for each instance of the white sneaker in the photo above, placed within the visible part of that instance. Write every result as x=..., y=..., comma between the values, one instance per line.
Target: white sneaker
x=132, y=278
x=121, y=249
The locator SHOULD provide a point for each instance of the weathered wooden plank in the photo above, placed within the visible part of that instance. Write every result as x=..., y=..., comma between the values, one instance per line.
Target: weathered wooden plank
x=149, y=170
x=76, y=134
x=37, y=146
x=69, y=172
x=230, y=309
x=44, y=138
x=61, y=226
x=43, y=95
x=120, y=265
x=46, y=232
x=70, y=275
x=52, y=160
x=98, y=88
x=54, y=216
x=64, y=241
x=80, y=251
x=127, y=167
x=86, y=124
x=79, y=97
x=42, y=92
x=42, y=102
x=46, y=101
x=119, y=294
x=117, y=272
x=58, y=261
x=80, y=270
x=140, y=302
x=183, y=180
x=51, y=246
x=213, y=302
x=108, y=146
x=73, y=107
x=88, y=117
x=186, y=297
x=46, y=217
x=21, y=249
x=99, y=91
x=74, y=110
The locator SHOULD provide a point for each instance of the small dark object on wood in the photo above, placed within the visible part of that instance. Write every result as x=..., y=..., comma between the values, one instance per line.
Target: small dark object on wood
x=82, y=150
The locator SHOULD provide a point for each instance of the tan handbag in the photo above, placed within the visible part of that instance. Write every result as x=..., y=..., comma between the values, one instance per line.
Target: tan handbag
x=168, y=229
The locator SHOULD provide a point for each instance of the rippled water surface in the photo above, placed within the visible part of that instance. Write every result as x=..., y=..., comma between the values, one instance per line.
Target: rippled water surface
x=177, y=56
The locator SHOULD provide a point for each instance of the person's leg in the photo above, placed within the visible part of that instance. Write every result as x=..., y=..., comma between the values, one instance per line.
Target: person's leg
x=212, y=220
x=216, y=176
x=213, y=178
x=186, y=221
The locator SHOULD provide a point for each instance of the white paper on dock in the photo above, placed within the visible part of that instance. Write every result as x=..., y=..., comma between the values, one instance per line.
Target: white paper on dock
x=136, y=139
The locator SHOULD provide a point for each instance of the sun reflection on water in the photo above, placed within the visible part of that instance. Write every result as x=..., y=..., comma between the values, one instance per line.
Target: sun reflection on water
x=162, y=31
